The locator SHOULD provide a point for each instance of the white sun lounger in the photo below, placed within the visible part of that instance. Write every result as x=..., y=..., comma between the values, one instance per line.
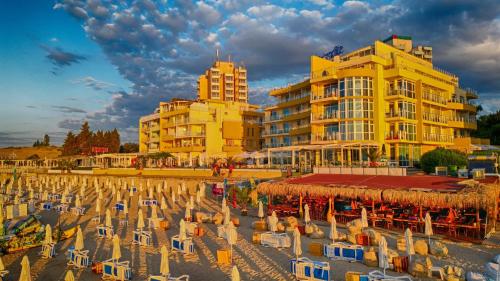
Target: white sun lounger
x=168, y=278
x=377, y=275
x=275, y=240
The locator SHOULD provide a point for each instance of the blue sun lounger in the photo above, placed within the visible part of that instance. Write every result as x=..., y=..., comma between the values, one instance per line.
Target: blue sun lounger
x=306, y=269
x=343, y=251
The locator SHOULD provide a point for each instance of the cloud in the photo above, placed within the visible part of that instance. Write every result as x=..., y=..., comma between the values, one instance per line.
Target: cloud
x=60, y=58
x=67, y=109
x=31, y=106
x=93, y=83
x=161, y=47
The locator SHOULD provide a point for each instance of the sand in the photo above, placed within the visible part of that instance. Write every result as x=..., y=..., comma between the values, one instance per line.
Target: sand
x=254, y=262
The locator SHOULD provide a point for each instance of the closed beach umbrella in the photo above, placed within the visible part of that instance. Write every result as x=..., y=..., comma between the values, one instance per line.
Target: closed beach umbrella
x=139, y=201
x=164, y=265
x=150, y=193
x=78, y=203
x=297, y=244
x=333, y=229
x=140, y=219
x=307, y=218
x=231, y=236
x=182, y=230
x=364, y=218
x=410, y=250
x=101, y=195
x=25, y=270
x=69, y=276
x=118, y=196
x=382, y=254
x=187, y=213
x=235, y=274
x=79, y=240
x=82, y=191
x=117, y=254
x=183, y=185
x=154, y=215
x=98, y=206
x=227, y=216
x=272, y=221
x=191, y=202
x=223, y=205
x=173, y=197
x=48, y=235
x=163, y=205
x=428, y=226
x=198, y=199
x=178, y=190
x=125, y=207
x=107, y=221
x=45, y=196
x=2, y=266
x=260, y=214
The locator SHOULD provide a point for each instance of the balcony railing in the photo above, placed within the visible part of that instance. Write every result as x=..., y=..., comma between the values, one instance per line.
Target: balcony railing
x=327, y=115
x=462, y=101
x=328, y=137
x=325, y=96
x=400, y=92
x=433, y=117
x=463, y=119
x=434, y=98
x=401, y=114
x=437, y=138
x=294, y=97
x=281, y=116
x=189, y=134
x=400, y=135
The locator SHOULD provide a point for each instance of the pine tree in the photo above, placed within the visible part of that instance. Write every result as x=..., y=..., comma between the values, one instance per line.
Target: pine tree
x=46, y=140
x=84, y=139
x=70, y=146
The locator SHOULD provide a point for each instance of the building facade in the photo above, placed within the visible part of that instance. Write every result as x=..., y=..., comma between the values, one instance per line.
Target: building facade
x=387, y=96
x=220, y=124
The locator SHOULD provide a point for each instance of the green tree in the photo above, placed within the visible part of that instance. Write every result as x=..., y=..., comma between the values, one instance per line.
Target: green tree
x=84, y=139
x=129, y=148
x=70, y=146
x=442, y=157
x=46, y=140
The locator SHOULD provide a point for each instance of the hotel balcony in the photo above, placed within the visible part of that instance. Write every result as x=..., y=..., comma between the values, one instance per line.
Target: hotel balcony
x=299, y=142
x=324, y=97
x=189, y=134
x=231, y=148
x=155, y=127
x=399, y=94
x=275, y=132
x=436, y=138
x=434, y=99
x=324, y=74
x=398, y=115
x=167, y=137
x=327, y=117
x=396, y=136
x=326, y=138
x=297, y=99
x=187, y=148
x=299, y=130
x=457, y=104
x=435, y=118
x=463, y=123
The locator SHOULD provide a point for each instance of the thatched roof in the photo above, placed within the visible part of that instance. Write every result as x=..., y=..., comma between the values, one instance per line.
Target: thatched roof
x=472, y=195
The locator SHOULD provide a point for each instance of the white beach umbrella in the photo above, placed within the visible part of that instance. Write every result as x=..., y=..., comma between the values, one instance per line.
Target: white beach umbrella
x=118, y=196
x=117, y=254
x=307, y=218
x=107, y=221
x=125, y=207
x=223, y=205
x=69, y=276
x=178, y=190
x=79, y=240
x=260, y=214
x=231, y=236
x=101, y=195
x=235, y=274
x=173, y=197
x=78, y=203
x=163, y=205
x=191, y=202
x=187, y=213
x=48, y=235
x=227, y=216
x=182, y=230
x=25, y=270
x=82, y=191
x=383, y=261
x=272, y=221
x=183, y=186
x=428, y=227
x=198, y=199
x=140, y=219
x=139, y=201
x=297, y=243
x=154, y=215
x=98, y=207
x=364, y=218
x=333, y=230
x=2, y=266
x=203, y=187
x=164, y=265
x=410, y=250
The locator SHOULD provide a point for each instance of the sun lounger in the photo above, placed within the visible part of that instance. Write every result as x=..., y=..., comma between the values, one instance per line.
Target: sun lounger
x=154, y=224
x=380, y=276
x=275, y=240
x=96, y=219
x=78, y=259
x=149, y=202
x=306, y=269
x=104, y=232
x=142, y=238
x=54, y=197
x=343, y=251
x=221, y=231
x=116, y=270
x=186, y=246
x=190, y=227
x=119, y=207
x=61, y=208
x=78, y=211
x=168, y=278
x=46, y=206
x=48, y=250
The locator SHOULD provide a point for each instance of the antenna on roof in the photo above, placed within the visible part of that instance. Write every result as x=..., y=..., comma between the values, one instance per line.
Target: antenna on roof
x=217, y=54
x=229, y=58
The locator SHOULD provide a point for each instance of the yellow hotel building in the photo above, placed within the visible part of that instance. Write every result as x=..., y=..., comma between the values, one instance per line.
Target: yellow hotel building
x=220, y=124
x=387, y=96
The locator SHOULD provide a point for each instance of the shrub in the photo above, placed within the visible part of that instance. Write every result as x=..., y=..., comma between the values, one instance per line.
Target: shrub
x=442, y=157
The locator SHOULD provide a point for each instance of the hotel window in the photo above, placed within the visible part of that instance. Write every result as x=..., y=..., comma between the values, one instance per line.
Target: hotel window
x=356, y=108
x=331, y=130
x=407, y=109
x=286, y=112
x=330, y=90
x=408, y=131
x=407, y=88
x=356, y=87
x=357, y=130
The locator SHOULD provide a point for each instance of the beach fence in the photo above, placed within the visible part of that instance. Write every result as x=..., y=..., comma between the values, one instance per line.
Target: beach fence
x=368, y=171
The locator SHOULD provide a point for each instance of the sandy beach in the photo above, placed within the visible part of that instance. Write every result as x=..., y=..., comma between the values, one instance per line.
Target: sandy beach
x=254, y=262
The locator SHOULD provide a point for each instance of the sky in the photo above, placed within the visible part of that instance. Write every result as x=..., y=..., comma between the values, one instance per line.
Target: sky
x=110, y=62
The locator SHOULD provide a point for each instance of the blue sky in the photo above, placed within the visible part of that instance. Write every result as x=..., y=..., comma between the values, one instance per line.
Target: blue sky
x=109, y=62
